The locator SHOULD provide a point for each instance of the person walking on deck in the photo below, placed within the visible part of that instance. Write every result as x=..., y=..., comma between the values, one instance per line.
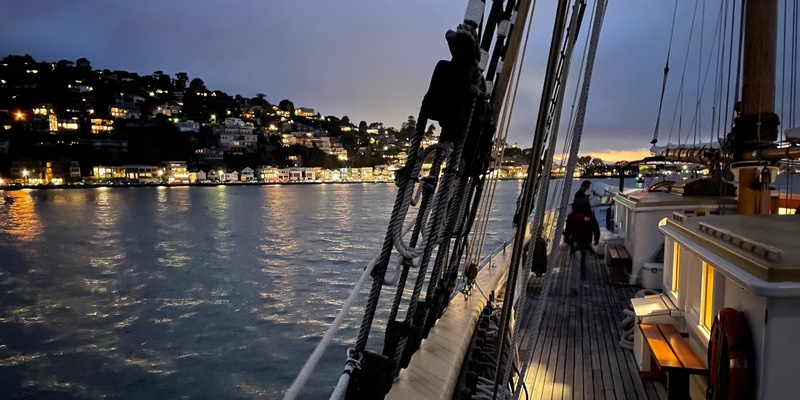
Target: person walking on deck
x=581, y=228
x=581, y=193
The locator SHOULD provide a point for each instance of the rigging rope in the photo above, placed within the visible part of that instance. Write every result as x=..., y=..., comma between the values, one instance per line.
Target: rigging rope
x=543, y=191
x=327, y=338
x=597, y=24
x=729, y=120
x=695, y=124
x=538, y=314
x=697, y=115
x=666, y=74
x=679, y=105
x=529, y=185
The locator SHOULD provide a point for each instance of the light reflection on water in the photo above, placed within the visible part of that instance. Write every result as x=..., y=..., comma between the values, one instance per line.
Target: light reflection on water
x=18, y=218
x=212, y=292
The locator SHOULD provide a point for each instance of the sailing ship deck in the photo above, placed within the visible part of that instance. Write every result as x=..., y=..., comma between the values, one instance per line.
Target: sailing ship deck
x=576, y=353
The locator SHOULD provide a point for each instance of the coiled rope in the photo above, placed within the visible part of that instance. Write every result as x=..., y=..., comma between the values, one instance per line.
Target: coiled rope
x=628, y=324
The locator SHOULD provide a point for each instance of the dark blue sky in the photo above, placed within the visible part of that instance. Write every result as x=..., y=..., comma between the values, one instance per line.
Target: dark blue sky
x=368, y=59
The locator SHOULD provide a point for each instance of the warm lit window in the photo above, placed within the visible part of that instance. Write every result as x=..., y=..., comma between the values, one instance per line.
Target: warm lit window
x=707, y=297
x=676, y=266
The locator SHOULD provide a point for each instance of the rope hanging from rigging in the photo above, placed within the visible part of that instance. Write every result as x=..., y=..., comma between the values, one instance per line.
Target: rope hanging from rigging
x=666, y=74
x=456, y=99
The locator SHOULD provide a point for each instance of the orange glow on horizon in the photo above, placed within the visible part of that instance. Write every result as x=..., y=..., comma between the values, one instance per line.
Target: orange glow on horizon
x=618, y=155
x=623, y=155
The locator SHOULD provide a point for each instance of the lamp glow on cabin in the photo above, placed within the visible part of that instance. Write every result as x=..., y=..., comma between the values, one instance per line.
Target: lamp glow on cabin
x=707, y=297
x=676, y=267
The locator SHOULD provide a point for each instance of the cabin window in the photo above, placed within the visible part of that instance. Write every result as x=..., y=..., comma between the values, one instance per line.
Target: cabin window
x=707, y=297
x=676, y=266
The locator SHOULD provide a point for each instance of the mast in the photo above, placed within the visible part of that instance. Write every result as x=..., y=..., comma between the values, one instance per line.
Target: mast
x=757, y=125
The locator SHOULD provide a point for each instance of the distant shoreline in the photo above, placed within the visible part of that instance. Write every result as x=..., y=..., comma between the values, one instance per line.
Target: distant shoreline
x=150, y=185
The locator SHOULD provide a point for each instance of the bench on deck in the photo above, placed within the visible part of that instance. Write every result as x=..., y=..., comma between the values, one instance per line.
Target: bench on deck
x=673, y=355
x=621, y=263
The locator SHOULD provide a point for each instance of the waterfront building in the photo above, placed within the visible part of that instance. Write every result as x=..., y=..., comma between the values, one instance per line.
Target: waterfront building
x=267, y=174
x=62, y=171
x=27, y=172
x=175, y=171
x=297, y=174
x=247, y=174
x=133, y=173
x=215, y=175
x=232, y=176
x=197, y=176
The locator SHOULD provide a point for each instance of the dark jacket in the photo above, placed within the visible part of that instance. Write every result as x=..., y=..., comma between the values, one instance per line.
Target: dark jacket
x=581, y=226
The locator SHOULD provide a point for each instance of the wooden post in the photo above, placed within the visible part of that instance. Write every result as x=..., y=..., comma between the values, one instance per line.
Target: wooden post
x=758, y=94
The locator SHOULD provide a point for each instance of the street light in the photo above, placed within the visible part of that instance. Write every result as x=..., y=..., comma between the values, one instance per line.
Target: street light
x=25, y=175
x=221, y=176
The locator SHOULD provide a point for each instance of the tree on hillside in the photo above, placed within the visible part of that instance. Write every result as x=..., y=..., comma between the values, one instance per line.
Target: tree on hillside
x=83, y=63
x=287, y=105
x=590, y=165
x=197, y=85
x=181, y=78
x=407, y=129
x=260, y=100
x=332, y=125
x=584, y=162
x=220, y=104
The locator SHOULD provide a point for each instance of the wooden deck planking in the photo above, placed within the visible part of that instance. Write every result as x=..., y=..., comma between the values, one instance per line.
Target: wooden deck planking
x=610, y=309
x=555, y=361
x=619, y=362
x=577, y=353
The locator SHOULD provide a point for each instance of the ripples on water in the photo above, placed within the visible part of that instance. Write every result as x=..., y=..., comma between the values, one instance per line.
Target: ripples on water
x=212, y=292
x=205, y=292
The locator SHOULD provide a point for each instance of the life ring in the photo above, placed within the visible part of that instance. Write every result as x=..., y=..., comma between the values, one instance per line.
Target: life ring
x=730, y=358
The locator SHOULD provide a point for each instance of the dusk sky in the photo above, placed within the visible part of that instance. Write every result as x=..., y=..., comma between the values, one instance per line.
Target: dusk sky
x=368, y=59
